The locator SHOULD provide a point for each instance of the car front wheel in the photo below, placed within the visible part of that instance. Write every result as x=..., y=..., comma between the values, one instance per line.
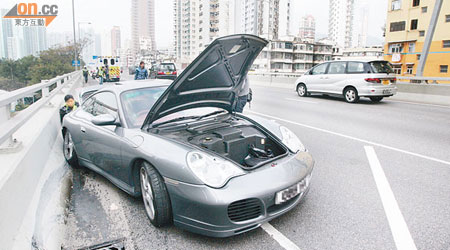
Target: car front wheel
x=302, y=90
x=351, y=95
x=376, y=99
x=69, y=150
x=155, y=196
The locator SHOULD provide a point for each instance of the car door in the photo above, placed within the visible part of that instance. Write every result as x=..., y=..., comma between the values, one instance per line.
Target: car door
x=316, y=78
x=335, y=77
x=102, y=144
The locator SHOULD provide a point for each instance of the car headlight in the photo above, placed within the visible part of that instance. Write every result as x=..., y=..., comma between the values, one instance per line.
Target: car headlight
x=291, y=140
x=213, y=171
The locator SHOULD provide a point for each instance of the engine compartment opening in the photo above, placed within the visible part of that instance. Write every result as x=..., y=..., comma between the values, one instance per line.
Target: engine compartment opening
x=235, y=139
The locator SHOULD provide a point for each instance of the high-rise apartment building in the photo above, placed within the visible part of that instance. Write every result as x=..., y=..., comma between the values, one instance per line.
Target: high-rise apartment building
x=407, y=27
x=364, y=26
x=340, y=22
x=20, y=41
x=198, y=22
x=266, y=18
x=115, y=41
x=307, y=29
x=142, y=23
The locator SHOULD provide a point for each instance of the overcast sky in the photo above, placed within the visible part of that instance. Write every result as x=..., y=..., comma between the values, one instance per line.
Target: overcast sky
x=103, y=14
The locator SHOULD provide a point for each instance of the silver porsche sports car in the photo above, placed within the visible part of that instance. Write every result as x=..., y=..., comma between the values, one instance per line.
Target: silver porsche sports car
x=179, y=144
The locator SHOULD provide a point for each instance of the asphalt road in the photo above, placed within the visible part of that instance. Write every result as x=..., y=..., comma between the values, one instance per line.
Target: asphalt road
x=381, y=181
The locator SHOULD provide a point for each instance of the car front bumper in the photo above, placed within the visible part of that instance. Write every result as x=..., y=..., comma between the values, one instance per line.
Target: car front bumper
x=204, y=210
x=368, y=91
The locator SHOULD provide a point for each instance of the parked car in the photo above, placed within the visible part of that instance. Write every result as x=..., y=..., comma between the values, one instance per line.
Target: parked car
x=351, y=79
x=163, y=71
x=194, y=162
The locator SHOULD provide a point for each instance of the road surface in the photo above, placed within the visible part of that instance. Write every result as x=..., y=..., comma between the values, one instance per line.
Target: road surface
x=381, y=181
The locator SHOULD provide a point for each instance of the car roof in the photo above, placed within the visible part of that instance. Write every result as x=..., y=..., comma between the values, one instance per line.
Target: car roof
x=137, y=84
x=358, y=60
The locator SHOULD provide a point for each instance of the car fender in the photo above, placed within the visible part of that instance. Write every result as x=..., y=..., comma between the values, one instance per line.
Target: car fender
x=166, y=155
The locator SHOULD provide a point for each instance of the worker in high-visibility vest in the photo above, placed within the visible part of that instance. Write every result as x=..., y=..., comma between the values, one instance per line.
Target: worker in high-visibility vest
x=68, y=107
x=101, y=74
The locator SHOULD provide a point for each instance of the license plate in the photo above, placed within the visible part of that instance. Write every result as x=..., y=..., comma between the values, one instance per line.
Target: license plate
x=387, y=91
x=287, y=194
x=386, y=82
x=167, y=73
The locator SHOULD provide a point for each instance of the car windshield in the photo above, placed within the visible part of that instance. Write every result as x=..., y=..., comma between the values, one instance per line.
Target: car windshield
x=381, y=67
x=136, y=104
x=189, y=114
x=167, y=67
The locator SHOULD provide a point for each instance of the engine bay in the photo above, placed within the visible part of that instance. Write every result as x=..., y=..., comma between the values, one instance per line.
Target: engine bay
x=235, y=139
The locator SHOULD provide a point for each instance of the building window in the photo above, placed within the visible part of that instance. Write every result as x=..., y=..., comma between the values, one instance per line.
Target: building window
x=409, y=69
x=397, y=69
x=422, y=33
x=395, y=48
x=446, y=44
x=396, y=4
x=447, y=18
x=416, y=3
x=414, y=24
x=444, y=68
x=397, y=26
x=418, y=57
x=411, y=47
x=424, y=9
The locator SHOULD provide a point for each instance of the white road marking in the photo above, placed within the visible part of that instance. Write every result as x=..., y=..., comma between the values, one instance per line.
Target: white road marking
x=422, y=104
x=279, y=237
x=297, y=100
x=399, y=229
x=354, y=138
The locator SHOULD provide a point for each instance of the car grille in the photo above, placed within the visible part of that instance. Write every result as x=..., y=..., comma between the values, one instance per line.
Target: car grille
x=243, y=210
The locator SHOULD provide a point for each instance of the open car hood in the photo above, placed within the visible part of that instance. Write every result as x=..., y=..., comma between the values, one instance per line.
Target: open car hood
x=213, y=79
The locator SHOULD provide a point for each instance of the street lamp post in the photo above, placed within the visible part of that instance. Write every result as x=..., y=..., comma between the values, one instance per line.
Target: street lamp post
x=74, y=38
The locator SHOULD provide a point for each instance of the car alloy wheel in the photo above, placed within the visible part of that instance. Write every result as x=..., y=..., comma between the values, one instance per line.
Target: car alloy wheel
x=351, y=95
x=147, y=194
x=69, y=150
x=155, y=196
x=68, y=146
x=301, y=90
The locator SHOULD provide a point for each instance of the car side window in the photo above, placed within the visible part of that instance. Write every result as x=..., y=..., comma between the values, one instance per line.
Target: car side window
x=337, y=68
x=102, y=103
x=355, y=68
x=319, y=69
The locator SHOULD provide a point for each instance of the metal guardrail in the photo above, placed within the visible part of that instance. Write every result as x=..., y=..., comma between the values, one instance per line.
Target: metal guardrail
x=423, y=79
x=8, y=124
x=275, y=74
x=413, y=79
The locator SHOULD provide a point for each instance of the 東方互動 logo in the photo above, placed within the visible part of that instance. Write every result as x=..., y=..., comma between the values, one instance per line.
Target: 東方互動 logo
x=29, y=14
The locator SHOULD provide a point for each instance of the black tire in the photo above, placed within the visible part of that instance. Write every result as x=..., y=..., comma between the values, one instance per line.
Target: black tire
x=71, y=157
x=162, y=211
x=302, y=90
x=351, y=95
x=376, y=98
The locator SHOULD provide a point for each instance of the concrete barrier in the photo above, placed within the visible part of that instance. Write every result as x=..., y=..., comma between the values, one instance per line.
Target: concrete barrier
x=30, y=180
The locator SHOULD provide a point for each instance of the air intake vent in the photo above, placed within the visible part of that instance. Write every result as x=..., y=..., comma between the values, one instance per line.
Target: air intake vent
x=244, y=210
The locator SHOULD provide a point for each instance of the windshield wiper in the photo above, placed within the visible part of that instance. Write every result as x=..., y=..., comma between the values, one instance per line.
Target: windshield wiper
x=210, y=114
x=196, y=117
x=175, y=120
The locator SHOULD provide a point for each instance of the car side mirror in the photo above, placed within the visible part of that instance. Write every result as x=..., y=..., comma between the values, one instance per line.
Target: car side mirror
x=105, y=120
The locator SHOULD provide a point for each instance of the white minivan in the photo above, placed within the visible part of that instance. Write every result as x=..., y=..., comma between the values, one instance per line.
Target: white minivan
x=351, y=79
